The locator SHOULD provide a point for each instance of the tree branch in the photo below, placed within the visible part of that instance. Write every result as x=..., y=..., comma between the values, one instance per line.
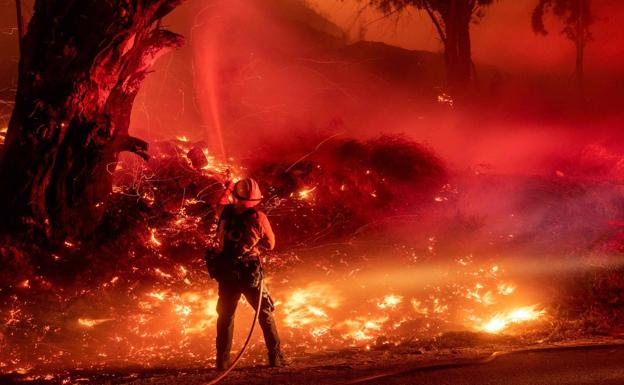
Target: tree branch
x=537, y=18
x=435, y=21
x=132, y=144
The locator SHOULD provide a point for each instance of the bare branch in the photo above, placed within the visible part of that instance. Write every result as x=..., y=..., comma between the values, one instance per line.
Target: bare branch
x=436, y=22
x=132, y=144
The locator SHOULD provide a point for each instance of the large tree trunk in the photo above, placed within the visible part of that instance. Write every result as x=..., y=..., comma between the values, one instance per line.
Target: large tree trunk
x=580, y=58
x=580, y=46
x=80, y=69
x=457, y=49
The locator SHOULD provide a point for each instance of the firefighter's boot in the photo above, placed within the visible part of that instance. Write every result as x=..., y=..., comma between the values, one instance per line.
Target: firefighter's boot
x=277, y=360
x=223, y=362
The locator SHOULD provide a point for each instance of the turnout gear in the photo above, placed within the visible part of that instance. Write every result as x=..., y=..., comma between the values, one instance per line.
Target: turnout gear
x=242, y=232
x=229, y=294
x=223, y=362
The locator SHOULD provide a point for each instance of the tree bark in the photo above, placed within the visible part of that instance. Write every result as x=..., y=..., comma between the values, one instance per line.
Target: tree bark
x=81, y=66
x=457, y=48
x=580, y=47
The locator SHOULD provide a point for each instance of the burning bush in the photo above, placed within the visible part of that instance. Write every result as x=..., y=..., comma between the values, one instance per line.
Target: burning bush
x=345, y=184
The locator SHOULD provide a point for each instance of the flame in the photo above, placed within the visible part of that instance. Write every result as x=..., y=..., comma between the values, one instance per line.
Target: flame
x=159, y=295
x=306, y=193
x=362, y=328
x=153, y=238
x=502, y=321
x=309, y=305
x=506, y=289
x=89, y=322
x=390, y=301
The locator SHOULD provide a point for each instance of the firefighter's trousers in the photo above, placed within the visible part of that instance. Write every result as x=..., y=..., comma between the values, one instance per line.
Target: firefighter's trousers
x=229, y=294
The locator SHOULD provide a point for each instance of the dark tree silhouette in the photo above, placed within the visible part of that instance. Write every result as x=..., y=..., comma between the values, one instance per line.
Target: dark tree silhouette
x=81, y=65
x=577, y=18
x=452, y=19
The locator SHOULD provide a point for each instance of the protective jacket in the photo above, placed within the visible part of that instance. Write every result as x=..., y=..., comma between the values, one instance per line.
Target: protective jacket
x=244, y=233
x=241, y=234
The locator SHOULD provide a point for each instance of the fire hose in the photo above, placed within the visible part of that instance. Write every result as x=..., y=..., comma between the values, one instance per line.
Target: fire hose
x=246, y=344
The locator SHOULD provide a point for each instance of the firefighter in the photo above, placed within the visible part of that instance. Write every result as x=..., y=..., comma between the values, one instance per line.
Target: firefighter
x=243, y=232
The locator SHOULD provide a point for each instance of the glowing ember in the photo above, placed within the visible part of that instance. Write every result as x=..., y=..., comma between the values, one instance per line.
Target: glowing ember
x=360, y=328
x=390, y=301
x=503, y=320
x=447, y=99
x=89, y=323
x=159, y=295
x=153, y=238
x=506, y=289
x=306, y=193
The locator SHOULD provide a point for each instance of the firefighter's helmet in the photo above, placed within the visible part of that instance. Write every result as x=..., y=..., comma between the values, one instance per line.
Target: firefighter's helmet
x=247, y=190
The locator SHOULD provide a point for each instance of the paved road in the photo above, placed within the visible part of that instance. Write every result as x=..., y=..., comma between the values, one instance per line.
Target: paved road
x=604, y=366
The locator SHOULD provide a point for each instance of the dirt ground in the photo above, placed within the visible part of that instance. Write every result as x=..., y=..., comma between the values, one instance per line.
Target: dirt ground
x=336, y=367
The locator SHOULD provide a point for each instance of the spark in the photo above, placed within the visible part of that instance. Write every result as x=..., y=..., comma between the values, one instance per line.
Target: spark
x=447, y=99
x=305, y=193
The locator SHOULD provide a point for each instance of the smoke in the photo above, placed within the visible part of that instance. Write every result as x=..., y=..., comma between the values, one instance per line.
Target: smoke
x=256, y=72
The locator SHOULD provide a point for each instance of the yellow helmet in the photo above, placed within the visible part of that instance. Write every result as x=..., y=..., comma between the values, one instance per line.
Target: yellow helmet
x=247, y=190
